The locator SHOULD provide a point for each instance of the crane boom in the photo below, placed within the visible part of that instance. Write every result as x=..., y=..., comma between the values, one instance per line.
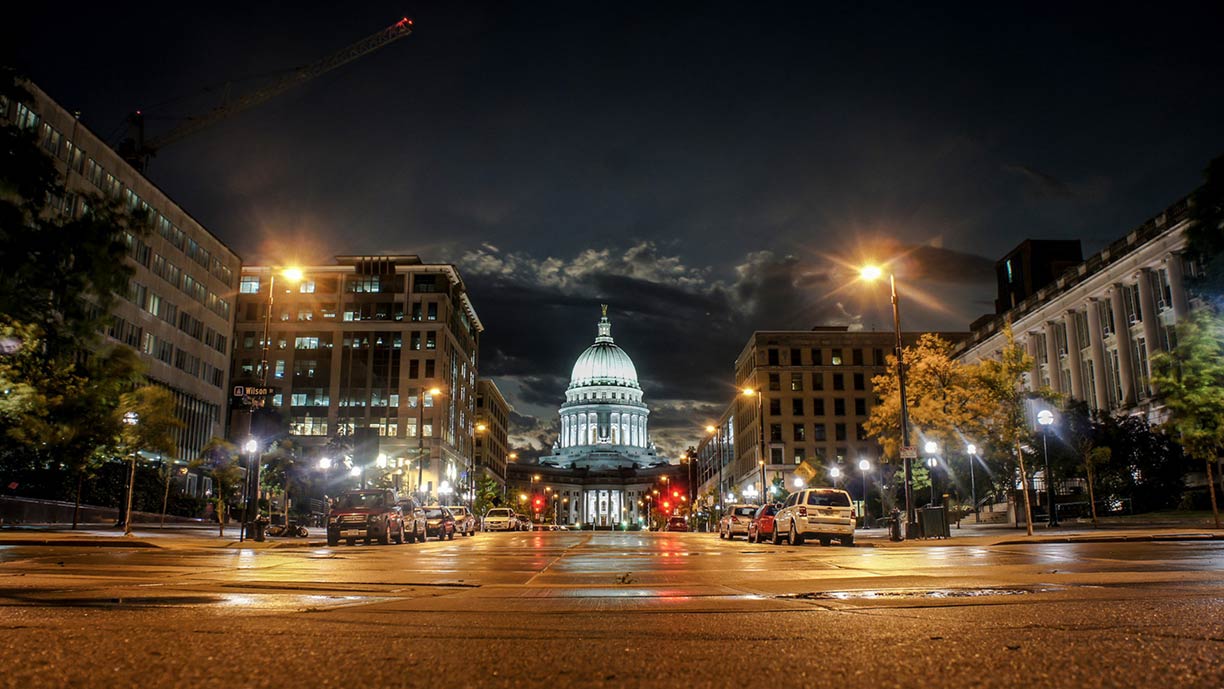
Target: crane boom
x=299, y=76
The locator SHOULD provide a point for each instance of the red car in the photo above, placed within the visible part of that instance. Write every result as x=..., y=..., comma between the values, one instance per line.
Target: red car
x=762, y=525
x=676, y=524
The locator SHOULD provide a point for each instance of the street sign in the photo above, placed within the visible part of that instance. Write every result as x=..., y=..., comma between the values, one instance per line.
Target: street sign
x=909, y=452
x=250, y=391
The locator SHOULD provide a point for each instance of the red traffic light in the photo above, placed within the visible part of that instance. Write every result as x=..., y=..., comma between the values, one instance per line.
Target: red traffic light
x=675, y=493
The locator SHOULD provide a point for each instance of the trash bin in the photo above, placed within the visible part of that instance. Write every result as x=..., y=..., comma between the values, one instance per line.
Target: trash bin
x=894, y=526
x=257, y=527
x=933, y=522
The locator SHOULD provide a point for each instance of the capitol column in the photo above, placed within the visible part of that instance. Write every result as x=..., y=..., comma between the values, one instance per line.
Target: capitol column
x=1073, y=354
x=1177, y=285
x=1096, y=344
x=1122, y=340
x=1053, y=361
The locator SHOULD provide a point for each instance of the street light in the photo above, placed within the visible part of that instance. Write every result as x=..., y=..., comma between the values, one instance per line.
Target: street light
x=1045, y=418
x=836, y=474
x=799, y=483
x=760, y=419
x=865, y=467
x=250, y=489
x=870, y=274
x=292, y=274
x=932, y=463
x=432, y=392
x=715, y=431
x=971, y=450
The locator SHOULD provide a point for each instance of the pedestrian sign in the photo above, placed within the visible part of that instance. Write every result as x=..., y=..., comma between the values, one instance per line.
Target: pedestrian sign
x=909, y=452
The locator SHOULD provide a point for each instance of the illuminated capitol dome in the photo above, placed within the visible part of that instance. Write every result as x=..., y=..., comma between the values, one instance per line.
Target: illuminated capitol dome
x=603, y=419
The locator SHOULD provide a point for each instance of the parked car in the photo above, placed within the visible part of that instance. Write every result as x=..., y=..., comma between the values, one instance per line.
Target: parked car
x=439, y=523
x=676, y=524
x=465, y=521
x=735, y=520
x=524, y=522
x=414, y=520
x=762, y=525
x=368, y=515
x=821, y=513
x=499, y=519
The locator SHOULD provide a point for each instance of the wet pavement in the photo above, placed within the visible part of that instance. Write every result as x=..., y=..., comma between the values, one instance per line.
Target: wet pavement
x=615, y=609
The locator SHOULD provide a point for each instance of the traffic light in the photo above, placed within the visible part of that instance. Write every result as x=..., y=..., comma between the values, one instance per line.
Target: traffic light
x=675, y=493
x=667, y=505
x=538, y=503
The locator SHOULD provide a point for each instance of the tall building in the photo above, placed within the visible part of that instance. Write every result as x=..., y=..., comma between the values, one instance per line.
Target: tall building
x=493, y=442
x=359, y=347
x=603, y=468
x=178, y=311
x=1032, y=265
x=1093, y=330
x=812, y=396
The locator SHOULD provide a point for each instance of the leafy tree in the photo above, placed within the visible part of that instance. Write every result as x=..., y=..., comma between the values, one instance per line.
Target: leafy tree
x=148, y=425
x=1190, y=380
x=488, y=495
x=1005, y=421
x=219, y=459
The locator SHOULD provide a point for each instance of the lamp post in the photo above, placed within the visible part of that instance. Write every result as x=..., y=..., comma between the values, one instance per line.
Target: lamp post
x=865, y=467
x=759, y=395
x=717, y=433
x=871, y=273
x=131, y=419
x=293, y=275
x=931, y=448
x=248, y=488
x=1045, y=418
x=432, y=392
x=835, y=473
x=764, y=490
x=971, y=450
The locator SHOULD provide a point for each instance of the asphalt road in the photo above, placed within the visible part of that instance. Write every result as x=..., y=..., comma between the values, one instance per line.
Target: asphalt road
x=615, y=610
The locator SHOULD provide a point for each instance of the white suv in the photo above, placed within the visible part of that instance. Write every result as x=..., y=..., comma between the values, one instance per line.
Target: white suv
x=823, y=513
x=500, y=519
x=735, y=520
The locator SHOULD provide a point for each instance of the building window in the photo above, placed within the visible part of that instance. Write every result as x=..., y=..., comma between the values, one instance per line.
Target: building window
x=249, y=284
x=839, y=431
x=431, y=339
x=839, y=407
x=839, y=382
x=860, y=382
x=775, y=407
x=818, y=381
x=414, y=368
x=431, y=311
x=775, y=382
x=819, y=433
x=860, y=407
x=817, y=358
x=796, y=382
x=818, y=408
x=800, y=455
x=835, y=359
x=775, y=432
x=799, y=433
x=797, y=406
x=306, y=287
x=772, y=356
x=857, y=357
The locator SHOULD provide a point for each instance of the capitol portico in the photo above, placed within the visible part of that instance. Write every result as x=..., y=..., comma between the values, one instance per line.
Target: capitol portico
x=603, y=466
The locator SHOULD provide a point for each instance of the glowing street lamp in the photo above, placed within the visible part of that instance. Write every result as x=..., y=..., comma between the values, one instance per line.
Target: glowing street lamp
x=871, y=273
x=1045, y=418
x=971, y=450
x=835, y=472
x=865, y=467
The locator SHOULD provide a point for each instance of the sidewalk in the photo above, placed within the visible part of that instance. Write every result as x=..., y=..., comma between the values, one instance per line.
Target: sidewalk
x=970, y=534
x=178, y=537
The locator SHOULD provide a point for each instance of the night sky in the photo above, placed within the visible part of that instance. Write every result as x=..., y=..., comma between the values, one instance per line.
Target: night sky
x=707, y=169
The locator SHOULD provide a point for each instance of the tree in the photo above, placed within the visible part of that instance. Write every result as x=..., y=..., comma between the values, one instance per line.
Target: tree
x=282, y=469
x=1190, y=381
x=1005, y=421
x=488, y=495
x=219, y=459
x=148, y=426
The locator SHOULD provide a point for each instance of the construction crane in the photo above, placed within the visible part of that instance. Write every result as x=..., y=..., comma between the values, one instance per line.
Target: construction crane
x=137, y=151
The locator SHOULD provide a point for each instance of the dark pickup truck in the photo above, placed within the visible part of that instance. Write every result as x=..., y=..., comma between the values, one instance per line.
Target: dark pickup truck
x=369, y=515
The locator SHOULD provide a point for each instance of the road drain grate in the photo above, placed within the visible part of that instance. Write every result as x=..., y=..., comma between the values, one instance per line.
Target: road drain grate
x=902, y=595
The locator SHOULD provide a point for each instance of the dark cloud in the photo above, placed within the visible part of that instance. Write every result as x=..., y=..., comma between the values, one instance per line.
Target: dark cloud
x=1040, y=184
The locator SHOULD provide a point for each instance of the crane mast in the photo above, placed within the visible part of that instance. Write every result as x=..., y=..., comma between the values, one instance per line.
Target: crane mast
x=138, y=151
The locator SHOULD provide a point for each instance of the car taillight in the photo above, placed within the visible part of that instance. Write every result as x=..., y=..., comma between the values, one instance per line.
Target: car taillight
x=734, y=519
x=802, y=510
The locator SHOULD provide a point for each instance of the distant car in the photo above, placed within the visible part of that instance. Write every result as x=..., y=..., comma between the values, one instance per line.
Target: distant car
x=439, y=523
x=414, y=520
x=500, y=519
x=524, y=522
x=762, y=525
x=369, y=515
x=735, y=520
x=465, y=521
x=676, y=524
x=822, y=513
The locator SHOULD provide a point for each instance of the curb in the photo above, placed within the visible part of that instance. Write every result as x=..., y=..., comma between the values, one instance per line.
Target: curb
x=1144, y=538
x=116, y=542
